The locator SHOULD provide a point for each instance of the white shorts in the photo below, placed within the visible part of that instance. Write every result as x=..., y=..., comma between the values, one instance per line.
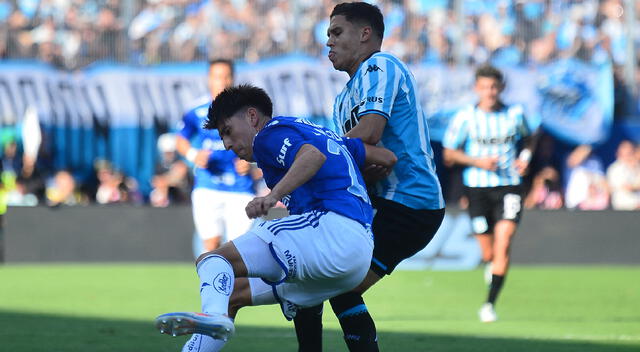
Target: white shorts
x=218, y=213
x=320, y=255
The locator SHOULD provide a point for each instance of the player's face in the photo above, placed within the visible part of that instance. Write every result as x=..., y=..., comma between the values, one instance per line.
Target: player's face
x=488, y=90
x=344, y=39
x=237, y=135
x=220, y=77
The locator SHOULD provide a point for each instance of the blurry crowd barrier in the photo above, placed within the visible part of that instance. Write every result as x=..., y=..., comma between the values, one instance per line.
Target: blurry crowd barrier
x=90, y=234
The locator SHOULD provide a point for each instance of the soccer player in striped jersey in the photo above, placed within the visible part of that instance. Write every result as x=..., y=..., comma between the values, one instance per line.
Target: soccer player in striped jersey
x=490, y=134
x=322, y=249
x=379, y=104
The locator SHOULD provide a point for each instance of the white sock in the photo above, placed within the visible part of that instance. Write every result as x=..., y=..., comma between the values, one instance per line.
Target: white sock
x=202, y=343
x=216, y=284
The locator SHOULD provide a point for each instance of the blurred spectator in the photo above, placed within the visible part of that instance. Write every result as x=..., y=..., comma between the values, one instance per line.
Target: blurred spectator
x=623, y=176
x=110, y=184
x=545, y=190
x=587, y=185
x=62, y=190
x=171, y=184
x=75, y=33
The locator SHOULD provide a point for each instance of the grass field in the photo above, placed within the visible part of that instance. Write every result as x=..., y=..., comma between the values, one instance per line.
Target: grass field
x=111, y=308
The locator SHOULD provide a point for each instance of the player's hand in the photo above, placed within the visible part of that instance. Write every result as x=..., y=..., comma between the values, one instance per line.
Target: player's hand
x=374, y=173
x=488, y=163
x=260, y=206
x=242, y=167
x=522, y=167
x=202, y=158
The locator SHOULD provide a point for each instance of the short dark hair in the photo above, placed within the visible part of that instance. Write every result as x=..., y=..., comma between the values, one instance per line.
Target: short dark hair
x=233, y=99
x=489, y=71
x=218, y=61
x=362, y=13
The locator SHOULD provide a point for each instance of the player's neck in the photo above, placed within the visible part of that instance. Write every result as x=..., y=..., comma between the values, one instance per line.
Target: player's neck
x=365, y=56
x=490, y=107
x=261, y=123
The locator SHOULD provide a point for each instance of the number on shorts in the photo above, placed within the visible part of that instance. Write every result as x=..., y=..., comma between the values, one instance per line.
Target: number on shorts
x=511, y=206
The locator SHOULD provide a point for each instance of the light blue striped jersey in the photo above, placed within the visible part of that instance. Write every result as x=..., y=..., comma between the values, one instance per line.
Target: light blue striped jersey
x=488, y=134
x=384, y=85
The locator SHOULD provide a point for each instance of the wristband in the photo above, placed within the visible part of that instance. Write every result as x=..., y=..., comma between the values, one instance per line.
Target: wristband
x=525, y=155
x=191, y=154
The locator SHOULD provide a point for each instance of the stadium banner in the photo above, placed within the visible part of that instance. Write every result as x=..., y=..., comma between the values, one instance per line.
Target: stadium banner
x=116, y=112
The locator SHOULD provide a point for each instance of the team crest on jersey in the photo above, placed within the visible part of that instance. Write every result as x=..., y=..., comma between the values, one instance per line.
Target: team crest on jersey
x=283, y=151
x=222, y=283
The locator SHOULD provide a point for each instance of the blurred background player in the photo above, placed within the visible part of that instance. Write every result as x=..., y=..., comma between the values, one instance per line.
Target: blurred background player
x=378, y=105
x=490, y=132
x=223, y=184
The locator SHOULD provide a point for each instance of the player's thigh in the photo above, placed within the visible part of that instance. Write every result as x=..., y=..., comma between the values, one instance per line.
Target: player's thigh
x=400, y=232
x=208, y=213
x=258, y=257
x=324, y=254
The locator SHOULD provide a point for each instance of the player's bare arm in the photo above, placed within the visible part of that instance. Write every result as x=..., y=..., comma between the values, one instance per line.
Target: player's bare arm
x=379, y=156
x=456, y=156
x=369, y=129
x=307, y=162
x=199, y=157
x=524, y=157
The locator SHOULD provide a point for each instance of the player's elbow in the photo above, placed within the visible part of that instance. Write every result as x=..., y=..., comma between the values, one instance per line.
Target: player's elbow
x=448, y=157
x=390, y=160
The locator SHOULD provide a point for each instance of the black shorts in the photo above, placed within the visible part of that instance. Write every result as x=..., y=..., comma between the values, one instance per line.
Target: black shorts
x=488, y=205
x=399, y=232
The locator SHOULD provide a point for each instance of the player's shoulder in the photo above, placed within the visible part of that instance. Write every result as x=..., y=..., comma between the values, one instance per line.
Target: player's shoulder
x=382, y=62
x=199, y=107
x=465, y=112
x=514, y=110
x=279, y=122
x=277, y=125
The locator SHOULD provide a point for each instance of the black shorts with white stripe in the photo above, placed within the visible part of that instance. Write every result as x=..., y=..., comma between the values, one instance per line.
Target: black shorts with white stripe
x=488, y=205
x=399, y=232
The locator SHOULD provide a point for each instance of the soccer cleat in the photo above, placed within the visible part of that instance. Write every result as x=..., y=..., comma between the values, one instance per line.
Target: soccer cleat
x=488, y=273
x=487, y=314
x=218, y=326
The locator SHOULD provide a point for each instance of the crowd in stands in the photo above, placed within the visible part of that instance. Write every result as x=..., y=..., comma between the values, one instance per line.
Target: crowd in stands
x=73, y=33
x=583, y=182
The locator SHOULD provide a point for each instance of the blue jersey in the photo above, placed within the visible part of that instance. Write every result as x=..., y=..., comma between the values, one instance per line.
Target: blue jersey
x=338, y=185
x=384, y=85
x=220, y=173
x=486, y=134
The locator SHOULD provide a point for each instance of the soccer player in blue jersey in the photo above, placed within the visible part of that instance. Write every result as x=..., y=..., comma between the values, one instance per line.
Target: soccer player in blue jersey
x=379, y=104
x=223, y=184
x=490, y=134
x=320, y=250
